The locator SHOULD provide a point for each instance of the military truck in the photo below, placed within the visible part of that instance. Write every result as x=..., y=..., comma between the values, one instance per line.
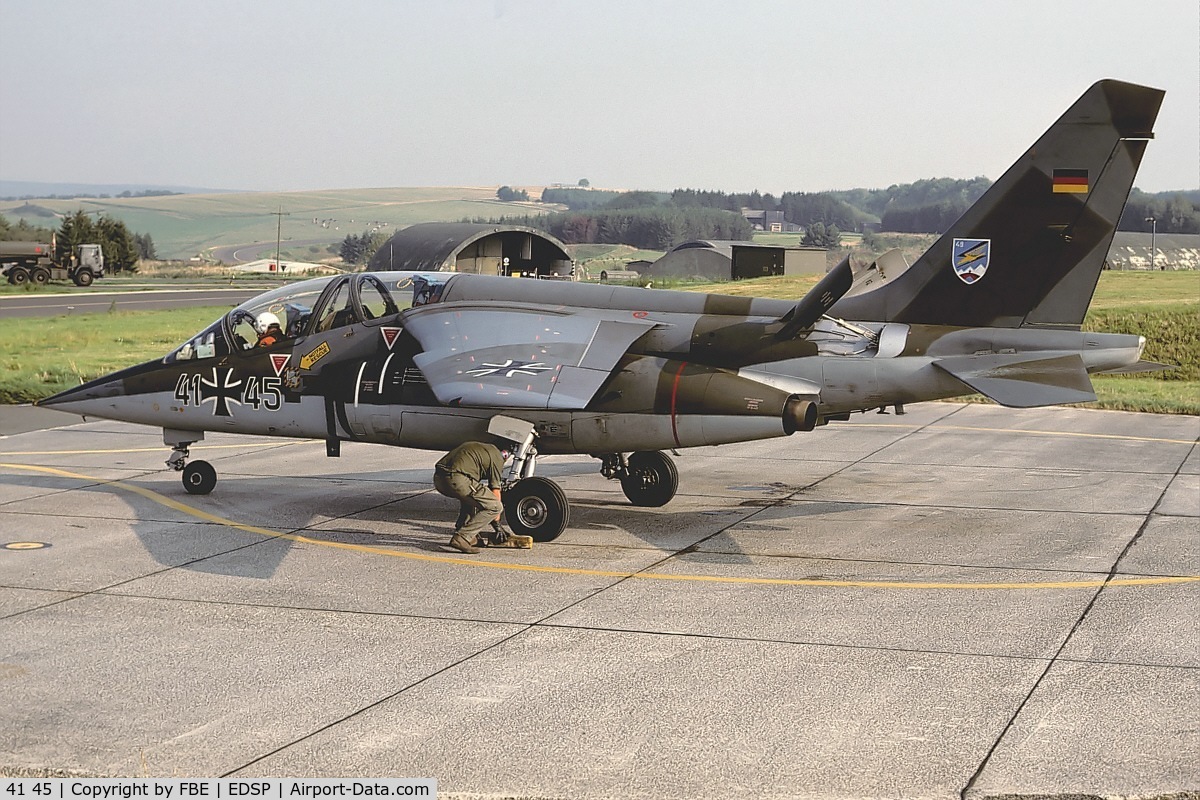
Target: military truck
x=23, y=262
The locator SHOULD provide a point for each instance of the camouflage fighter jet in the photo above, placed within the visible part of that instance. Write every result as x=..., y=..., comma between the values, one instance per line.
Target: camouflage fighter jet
x=432, y=360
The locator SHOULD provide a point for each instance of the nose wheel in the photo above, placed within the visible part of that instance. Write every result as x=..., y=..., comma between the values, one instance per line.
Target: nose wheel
x=199, y=477
x=536, y=507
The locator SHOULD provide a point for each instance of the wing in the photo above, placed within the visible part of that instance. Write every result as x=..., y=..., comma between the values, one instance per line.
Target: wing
x=516, y=356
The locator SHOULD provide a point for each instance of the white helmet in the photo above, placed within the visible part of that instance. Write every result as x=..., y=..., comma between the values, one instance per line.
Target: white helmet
x=265, y=320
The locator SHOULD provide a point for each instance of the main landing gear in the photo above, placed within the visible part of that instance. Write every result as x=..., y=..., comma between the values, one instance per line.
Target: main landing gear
x=648, y=477
x=537, y=507
x=199, y=477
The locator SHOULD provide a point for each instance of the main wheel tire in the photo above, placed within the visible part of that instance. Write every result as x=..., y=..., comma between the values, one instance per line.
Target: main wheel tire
x=18, y=276
x=652, y=479
x=40, y=276
x=84, y=277
x=199, y=477
x=537, y=507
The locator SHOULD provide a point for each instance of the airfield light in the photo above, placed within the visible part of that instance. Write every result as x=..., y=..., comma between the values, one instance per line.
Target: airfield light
x=1153, y=251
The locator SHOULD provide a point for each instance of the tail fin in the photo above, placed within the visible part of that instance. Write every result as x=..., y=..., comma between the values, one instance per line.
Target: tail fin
x=1029, y=252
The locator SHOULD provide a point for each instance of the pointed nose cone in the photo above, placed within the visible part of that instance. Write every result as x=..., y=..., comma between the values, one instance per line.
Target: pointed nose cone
x=107, y=396
x=93, y=398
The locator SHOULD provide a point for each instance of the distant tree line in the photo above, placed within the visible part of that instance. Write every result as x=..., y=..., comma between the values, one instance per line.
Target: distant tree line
x=802, y=209
x=126, y=193
x=649, y=220
x=23, y=232
x=578, y=199
x=928, y=206
x=921, y=207
x=930, y=218
x=1173, y=212
x=649, y=228
x=926, y=192
x=122, y=249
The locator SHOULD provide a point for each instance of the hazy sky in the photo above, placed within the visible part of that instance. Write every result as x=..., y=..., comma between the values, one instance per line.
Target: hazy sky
x=649, y=94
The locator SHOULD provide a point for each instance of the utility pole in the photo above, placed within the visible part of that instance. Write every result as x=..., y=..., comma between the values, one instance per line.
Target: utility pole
x=1153, y=250
x=279, y=215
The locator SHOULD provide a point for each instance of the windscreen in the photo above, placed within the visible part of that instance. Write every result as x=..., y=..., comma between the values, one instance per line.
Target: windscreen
x=291, y=308
x=288, y=306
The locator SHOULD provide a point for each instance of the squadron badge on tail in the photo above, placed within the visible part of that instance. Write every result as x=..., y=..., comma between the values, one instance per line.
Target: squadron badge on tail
x=970, y=258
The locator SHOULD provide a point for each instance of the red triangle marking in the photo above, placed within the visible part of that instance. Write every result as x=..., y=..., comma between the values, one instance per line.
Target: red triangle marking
x=389, y=336
x=279, y=361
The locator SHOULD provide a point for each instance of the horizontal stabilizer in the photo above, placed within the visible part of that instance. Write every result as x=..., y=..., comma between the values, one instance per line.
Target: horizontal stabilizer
x=1141, y=366
x=1023, y=381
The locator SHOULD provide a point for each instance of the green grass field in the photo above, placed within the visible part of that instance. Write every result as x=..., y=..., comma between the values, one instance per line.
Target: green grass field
x=40, y=357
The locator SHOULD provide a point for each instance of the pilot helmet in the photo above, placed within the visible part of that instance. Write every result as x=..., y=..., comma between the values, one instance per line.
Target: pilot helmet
x=265, y=320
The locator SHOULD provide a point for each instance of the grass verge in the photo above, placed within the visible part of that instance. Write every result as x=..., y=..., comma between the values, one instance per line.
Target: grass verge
x=39, y=357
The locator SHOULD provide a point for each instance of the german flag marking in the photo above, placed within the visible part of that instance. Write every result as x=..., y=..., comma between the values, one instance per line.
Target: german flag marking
x=1070, y=181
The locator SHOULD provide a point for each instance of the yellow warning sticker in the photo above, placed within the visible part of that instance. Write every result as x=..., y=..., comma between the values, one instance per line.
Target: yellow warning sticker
x=307, y=360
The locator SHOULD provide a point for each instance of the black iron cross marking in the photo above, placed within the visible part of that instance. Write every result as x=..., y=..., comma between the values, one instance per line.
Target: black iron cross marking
x=221, y=391
x=510, y=368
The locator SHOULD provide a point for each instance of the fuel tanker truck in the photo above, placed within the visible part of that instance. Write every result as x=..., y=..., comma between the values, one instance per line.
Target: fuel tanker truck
x=25, y=262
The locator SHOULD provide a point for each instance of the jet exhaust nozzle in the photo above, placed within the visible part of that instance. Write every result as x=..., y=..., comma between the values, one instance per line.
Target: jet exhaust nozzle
x=799, y=414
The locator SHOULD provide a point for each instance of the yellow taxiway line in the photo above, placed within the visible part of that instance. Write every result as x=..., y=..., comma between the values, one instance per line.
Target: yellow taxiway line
x=158, y=449
x=815, y=582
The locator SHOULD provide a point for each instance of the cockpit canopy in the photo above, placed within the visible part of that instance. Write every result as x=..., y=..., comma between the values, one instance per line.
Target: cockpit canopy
x=313, y=306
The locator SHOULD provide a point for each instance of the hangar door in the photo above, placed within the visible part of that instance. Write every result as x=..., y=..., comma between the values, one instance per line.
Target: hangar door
x=756, y=262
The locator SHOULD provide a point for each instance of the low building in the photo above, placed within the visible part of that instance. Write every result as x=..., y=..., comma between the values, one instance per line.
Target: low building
x=769, y=221
x=269, y=266
x=479, y=248
x=737, y=260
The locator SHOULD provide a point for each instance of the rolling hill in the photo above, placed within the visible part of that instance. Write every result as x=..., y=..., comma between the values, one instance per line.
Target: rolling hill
x=193, y=225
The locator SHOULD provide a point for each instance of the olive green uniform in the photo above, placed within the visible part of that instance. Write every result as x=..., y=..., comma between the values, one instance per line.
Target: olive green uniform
x=469, y=473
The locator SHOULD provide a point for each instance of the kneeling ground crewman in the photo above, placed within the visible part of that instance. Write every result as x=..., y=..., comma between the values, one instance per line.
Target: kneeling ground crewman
x=472, y=474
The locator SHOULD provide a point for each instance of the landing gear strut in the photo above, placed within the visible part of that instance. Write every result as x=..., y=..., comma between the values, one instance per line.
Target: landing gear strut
x=648, y=477
x=534, y=506
x=199, y=477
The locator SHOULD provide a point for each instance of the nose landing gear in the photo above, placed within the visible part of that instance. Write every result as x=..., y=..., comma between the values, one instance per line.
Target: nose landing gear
x=537, y=507
x=534, y=506
x=199, y=477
